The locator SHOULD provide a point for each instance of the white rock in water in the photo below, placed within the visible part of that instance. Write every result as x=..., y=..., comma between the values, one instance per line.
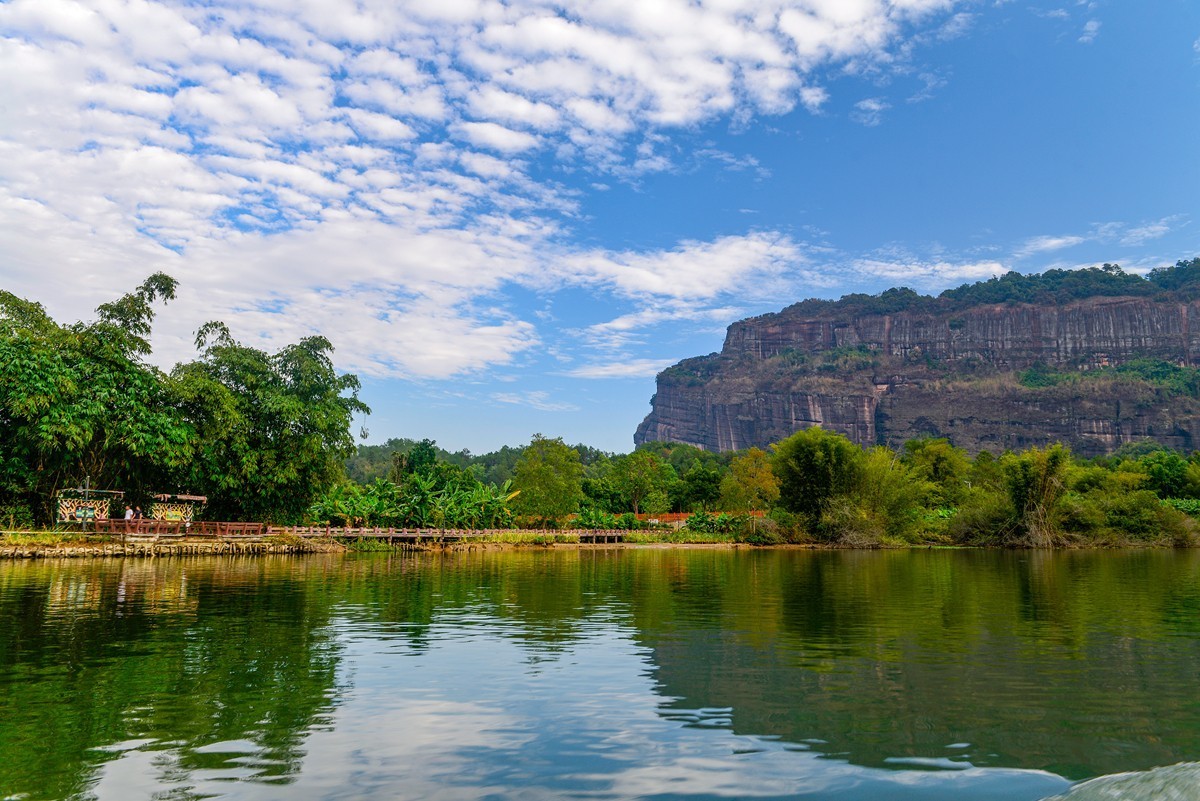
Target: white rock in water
x=1175, y=783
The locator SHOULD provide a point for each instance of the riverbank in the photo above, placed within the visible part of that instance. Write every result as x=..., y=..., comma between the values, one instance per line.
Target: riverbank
x=72, y=545
x=26, y=547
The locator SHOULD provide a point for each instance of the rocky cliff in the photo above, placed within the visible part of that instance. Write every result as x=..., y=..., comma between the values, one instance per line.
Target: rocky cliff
x=1093, y=373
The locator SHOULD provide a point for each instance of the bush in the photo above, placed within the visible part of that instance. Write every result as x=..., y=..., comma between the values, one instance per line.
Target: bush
x=1189, y=506
x=761, y=532
x=591, y=517
x=984, y=518
x=1035, y=481
x=723, y=523
x=1124, y=517
x=628, y=522
x=814, y=465
x=788, y=525
x=15, y=516
x=851, y=524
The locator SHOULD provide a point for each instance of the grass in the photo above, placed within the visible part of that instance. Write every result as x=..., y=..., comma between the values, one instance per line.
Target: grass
x=679, y=536
x=49, y=538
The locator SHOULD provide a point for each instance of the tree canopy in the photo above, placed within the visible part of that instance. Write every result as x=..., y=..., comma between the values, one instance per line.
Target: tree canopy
x=549, y=477
x=261, y=434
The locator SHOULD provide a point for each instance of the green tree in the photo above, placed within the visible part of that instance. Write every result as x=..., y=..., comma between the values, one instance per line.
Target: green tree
x=79, y=400
x=941, y=464
x=814, y=465
x=272, y=430
x=750, y=483
x=701, y=485
x=1166, y=472
x=887, y=502
x=549, y=476
x=644, y=480
x=414, y=458
x=1035, y=483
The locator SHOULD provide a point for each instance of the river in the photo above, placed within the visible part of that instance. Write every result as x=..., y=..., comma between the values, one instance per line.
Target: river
x=597, y=674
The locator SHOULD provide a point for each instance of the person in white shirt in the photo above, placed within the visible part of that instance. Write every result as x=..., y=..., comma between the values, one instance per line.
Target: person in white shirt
x=128, y=512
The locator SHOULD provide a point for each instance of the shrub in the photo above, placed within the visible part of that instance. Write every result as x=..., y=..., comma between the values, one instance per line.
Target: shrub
x=1035, y=483
x=984, y=518
x=788, y=525
x=814, y=465
x=628, y=522
x=849, y=523
x=14, y=516
x=1123, y=517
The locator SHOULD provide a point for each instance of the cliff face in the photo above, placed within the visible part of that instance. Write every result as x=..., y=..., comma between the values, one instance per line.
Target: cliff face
x=886, y=378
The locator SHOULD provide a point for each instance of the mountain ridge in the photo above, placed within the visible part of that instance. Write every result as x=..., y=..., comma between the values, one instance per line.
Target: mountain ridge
x=1111, y=356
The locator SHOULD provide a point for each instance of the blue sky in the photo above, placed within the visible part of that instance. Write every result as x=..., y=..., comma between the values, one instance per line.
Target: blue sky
x=507, y=217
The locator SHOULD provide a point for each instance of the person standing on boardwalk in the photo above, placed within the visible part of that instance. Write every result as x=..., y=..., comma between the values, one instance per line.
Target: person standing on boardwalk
x=128, y=512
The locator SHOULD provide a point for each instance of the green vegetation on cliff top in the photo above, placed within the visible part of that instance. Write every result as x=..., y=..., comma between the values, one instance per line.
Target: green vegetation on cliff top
x=1180, y=282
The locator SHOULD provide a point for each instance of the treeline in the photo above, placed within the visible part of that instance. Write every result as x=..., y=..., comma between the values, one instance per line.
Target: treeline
x=1180, y=282
x=267, y=437
x=816, y=486
x=261, y=434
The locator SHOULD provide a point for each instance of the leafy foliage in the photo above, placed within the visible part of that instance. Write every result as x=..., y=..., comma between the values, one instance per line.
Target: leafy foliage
x=814, y=465
x=417, y=503
x=274, y=428
x=79, y=400
x=1034, y=481
x=750, y=484
x=1181, y=281
x=549, y=476
x=644, y=479
x=261, y=434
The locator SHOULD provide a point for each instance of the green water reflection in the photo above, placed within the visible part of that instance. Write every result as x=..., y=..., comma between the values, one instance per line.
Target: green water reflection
x=594, y=673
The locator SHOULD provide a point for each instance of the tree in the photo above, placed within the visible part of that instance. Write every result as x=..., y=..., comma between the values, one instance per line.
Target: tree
x=701, y=485
x=549, y=476
x=941, y=464
x=888, y=500
x=750, y=484
x=272, y=429
x=814, y=465
x=419, y=458
x=1035, y=483
x=1167, y=473
x=644, y=480
x=79, y=401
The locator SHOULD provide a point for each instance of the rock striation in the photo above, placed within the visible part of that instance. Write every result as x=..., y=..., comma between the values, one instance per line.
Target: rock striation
x=940, y=370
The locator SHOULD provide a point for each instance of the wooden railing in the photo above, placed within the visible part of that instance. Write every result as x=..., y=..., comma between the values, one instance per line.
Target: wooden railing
x=437, y=534
x=225, y=530
x=177, y=528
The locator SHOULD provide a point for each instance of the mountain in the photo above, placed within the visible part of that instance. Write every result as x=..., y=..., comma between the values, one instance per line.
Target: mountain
x=1093, y=358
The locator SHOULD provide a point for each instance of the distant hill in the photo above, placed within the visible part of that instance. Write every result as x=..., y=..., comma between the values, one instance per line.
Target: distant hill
x=1094, y=358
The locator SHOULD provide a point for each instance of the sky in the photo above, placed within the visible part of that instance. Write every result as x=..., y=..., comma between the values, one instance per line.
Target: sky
x=507, y=217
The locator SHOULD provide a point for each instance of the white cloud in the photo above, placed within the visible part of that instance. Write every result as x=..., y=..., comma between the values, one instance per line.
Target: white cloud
x=1046, y=244
x=632, y=368
x=929, y=273
x=1091, y=30
x=1148, y=231
x=535, y=399
x=870, y=111
x=379, y=127
x=325, y=157
x=497, y=137
x=626, y=330
x=694, y=270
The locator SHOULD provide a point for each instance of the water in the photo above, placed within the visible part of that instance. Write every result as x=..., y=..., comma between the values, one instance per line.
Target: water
x=602, y=674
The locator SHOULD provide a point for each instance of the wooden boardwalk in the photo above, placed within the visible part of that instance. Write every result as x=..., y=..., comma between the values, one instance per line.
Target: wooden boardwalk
x=175, y=530
x=417, y=535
